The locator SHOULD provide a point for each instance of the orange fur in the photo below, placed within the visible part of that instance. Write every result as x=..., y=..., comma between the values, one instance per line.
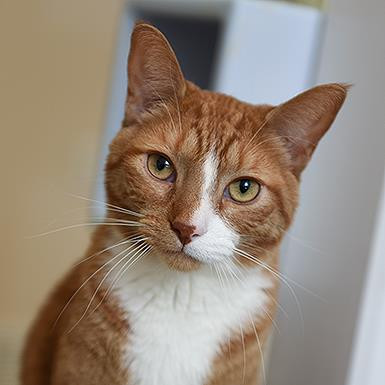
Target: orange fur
x=169, y=115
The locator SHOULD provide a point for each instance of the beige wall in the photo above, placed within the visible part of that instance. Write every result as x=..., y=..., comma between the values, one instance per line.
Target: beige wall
x=55, y=63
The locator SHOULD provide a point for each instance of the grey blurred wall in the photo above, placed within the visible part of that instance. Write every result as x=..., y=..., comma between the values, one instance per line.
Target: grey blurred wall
x=340, y=197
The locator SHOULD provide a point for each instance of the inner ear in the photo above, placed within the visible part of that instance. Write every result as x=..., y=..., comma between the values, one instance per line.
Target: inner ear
x=302, y=121
x=154, y=74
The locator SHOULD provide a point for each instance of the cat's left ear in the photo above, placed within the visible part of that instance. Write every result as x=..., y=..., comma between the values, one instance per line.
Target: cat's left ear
x=302, y=121
x=154, y=74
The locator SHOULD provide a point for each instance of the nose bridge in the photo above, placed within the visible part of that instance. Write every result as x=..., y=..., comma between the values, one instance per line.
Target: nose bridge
x=187, y=201
x=188, y=197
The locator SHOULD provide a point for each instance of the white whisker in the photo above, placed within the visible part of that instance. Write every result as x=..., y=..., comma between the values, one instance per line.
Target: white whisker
x=297, y=284
x=276, y=274
x=97, y=289
x=87, y=280
x=121, y=209
x=123, y=242
x=133, y=224
x=116, y=220
x=130, y=262
x=260, y=350
x=234, y=275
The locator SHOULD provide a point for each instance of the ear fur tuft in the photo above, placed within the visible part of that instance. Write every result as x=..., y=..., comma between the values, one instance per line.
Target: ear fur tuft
x=154, y=74
x=303, y=120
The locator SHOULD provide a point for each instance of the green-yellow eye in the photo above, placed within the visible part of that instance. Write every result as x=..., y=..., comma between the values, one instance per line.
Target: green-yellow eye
x=160, y=167
x=244, y=190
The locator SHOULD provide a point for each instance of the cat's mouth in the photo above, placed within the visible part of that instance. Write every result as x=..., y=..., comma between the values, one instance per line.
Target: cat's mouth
x=198, y=252
x=181, y=261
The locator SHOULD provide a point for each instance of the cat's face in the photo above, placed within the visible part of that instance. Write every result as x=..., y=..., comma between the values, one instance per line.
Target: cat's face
x=212, y=178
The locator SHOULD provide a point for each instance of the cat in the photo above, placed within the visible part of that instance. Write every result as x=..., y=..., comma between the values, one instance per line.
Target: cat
x=179, y=286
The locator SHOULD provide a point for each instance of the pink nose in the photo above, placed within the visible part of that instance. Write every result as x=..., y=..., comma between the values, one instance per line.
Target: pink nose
x=184, y=231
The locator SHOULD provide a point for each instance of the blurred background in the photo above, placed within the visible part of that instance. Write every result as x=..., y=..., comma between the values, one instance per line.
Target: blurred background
x=62, y=88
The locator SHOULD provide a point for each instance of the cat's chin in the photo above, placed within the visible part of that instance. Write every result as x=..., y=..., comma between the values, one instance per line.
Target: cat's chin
x=181, y=262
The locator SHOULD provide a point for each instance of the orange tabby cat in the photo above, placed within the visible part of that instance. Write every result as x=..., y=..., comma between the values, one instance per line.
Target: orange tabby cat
x=180, y=286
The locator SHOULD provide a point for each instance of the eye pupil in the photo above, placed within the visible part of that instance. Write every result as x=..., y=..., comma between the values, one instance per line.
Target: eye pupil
x=244, y=185
x=162, y=163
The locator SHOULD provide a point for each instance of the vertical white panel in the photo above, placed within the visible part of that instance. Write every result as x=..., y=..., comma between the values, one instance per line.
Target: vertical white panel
x=269, y=51
x=367, y=366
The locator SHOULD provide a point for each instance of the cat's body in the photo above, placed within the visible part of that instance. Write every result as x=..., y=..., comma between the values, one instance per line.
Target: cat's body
x=178, y=335
x=180, y=287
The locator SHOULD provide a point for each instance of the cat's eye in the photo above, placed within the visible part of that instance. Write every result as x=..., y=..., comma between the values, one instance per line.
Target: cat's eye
x=160, y=167
x=244, y=190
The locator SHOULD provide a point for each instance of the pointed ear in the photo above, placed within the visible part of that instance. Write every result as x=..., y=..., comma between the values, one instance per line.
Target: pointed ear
x=154, y=74
x=302, y=121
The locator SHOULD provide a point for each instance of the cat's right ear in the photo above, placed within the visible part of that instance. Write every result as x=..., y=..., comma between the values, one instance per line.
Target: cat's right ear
x=303, y=120
x=154, y=74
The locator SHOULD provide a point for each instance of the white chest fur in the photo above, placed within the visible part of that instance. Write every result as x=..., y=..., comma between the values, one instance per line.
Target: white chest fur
x=179, y=320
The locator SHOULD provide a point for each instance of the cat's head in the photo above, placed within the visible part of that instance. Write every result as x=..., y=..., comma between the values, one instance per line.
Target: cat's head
x=210, y=176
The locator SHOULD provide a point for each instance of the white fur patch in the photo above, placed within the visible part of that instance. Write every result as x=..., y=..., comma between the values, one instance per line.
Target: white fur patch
x=218, y=240
x=179, y=320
